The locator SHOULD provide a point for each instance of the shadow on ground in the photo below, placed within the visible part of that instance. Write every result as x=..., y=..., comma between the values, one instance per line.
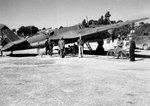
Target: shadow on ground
x=22, y=55
x=142, y=56
x=94, y=52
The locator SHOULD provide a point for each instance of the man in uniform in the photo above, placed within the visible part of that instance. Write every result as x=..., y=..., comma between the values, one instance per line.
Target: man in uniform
x=51, y=45
x=47, y=44
x=132, y=47
x=107, y=16
x=61, y=44
x=80, y=47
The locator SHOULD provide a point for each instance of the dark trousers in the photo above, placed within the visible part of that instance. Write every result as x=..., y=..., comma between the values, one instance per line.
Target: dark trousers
x=1, y=53
x=62, y=53
x=47, y=51
x=51, y=51
x=132, y=55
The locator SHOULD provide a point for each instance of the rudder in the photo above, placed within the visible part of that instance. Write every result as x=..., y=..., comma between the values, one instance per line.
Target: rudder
x=7, y=35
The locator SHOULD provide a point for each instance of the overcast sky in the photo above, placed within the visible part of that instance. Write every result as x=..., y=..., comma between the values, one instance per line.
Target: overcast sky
x=54, y=13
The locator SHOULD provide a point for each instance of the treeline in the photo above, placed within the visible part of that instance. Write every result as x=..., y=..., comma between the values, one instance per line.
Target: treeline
x=25, y=31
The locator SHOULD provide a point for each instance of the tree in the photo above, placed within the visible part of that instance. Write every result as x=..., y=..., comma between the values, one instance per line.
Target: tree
x=32, y=30
x=21, y=31
x=91, y=22
x=122, y=31
x=60, y=27
x=143, y=29
x=27, y=31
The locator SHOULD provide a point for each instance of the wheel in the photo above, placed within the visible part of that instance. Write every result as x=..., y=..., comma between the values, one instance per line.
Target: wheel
x=110, y=53
x=145, y=47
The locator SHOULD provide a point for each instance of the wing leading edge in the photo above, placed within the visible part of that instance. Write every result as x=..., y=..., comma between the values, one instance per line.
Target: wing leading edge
x=90, y=31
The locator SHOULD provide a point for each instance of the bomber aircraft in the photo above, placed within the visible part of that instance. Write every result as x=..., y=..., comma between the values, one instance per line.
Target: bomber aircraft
x=12, y=42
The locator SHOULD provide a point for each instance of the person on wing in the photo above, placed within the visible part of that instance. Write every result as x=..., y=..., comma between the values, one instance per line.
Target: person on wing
x=61, y=44
x=107, y=17
x=80, y=47
x=132, y=47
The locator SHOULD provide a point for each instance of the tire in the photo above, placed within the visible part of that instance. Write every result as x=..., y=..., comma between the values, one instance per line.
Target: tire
x=145, y=47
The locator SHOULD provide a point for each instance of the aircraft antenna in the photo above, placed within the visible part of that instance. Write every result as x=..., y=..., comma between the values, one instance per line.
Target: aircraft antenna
x=67, y=23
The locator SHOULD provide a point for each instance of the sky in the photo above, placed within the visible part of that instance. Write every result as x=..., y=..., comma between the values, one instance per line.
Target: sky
x=55, y=13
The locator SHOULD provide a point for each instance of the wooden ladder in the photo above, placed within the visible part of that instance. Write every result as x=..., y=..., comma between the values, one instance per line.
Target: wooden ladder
x=88, y=45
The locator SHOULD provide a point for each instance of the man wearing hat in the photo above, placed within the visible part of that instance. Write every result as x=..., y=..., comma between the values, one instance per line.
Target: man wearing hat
x=61, y=44
x=132, y=46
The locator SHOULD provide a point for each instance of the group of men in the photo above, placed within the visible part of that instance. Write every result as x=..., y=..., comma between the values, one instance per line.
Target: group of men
x=49, y=44
x=132, y=46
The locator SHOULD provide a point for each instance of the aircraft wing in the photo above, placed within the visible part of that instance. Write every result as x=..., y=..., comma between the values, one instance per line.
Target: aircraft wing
x=90, y=31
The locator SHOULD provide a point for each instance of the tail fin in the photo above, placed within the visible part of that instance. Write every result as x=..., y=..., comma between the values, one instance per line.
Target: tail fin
x=7, y=35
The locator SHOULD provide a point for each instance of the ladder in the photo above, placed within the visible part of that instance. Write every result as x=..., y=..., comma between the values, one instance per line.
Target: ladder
x=88, y=45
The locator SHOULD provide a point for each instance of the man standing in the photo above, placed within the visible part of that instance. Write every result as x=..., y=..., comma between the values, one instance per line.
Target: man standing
x=51, y=45
x=80, y=47
x=120, y=44
x=107, y=16
x=61, y=44
x=47, y=44
x=132, y=47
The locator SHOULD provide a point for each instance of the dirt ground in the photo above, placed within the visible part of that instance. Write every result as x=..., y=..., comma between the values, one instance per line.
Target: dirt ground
x=72, y=81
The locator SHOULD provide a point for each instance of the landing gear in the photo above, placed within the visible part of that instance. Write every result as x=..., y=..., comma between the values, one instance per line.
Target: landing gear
x=145, y=47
